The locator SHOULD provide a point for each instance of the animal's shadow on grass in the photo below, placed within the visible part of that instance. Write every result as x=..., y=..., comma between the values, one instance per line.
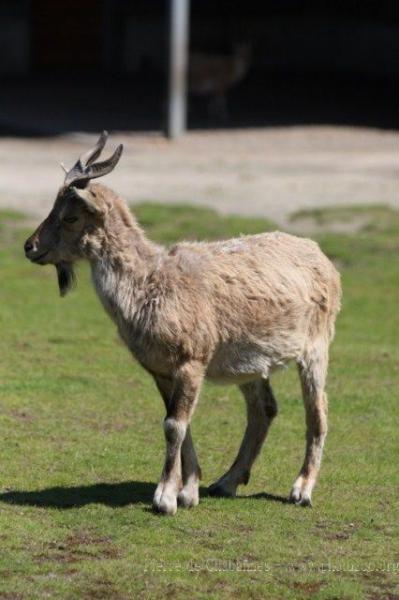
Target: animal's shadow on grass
x=268, y=497
x=115, y=495
x=110, y=494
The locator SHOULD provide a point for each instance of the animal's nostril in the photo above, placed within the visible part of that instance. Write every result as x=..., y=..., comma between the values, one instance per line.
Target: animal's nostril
x=28, y=246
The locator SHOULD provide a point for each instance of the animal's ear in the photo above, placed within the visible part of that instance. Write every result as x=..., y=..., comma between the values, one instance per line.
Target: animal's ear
x=90, y=200
x=66, y=277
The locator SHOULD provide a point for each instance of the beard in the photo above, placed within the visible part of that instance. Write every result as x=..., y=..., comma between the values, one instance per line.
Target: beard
x=66, y=277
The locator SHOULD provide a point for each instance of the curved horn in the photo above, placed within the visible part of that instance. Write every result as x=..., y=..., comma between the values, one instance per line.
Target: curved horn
x=74, y=174
x=85, y=168
x=77, y=173
x=89, y=157
x=106, y=166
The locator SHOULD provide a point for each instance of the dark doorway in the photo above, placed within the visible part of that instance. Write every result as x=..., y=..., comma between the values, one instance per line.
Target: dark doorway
x=68, y=65
x=66, y=34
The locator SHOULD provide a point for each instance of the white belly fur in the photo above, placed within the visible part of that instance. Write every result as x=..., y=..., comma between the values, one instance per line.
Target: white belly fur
x=239, y=364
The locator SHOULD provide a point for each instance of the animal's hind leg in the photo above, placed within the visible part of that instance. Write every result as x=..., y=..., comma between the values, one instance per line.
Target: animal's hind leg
x=261, y=410
x=312, y=372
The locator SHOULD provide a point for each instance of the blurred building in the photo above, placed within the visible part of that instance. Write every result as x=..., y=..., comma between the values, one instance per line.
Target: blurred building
x=50, y=35
x=309, y=59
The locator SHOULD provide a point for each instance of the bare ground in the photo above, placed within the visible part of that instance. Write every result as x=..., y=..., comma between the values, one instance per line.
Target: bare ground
x=268, y=172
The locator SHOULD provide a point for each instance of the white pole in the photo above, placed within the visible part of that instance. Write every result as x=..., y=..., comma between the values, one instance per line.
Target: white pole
x=178, y=64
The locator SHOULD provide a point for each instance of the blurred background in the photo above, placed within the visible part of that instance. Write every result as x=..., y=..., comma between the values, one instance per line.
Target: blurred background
x=71, y=64
x=289, y=104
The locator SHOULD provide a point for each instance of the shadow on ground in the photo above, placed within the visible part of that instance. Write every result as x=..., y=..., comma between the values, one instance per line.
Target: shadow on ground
x=110, y=494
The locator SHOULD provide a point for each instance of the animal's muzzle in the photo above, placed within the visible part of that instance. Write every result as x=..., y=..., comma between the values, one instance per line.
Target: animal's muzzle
x=32, y=252
x=28, y=246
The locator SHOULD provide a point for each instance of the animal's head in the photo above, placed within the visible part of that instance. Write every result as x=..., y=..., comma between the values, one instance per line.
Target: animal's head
x=79, y=209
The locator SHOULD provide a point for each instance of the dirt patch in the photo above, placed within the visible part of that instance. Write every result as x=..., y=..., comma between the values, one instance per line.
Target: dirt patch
x=308, y=588
x=345, y=532
x=102, y=589
x=77, y=547
x=383, y=595
x=109, y=427
x=22, y=415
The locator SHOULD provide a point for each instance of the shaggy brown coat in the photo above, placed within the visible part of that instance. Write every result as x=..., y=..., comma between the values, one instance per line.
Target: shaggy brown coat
x=231, y=311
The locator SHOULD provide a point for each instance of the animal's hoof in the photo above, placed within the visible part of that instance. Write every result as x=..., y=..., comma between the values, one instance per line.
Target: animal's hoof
x=300, y=499
x=219, y=491
x=305, y=501
x=167, y=505
x=295, y=496
x=188, y=498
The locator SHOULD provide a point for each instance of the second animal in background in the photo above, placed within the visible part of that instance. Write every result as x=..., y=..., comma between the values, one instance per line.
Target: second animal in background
x=212, y=76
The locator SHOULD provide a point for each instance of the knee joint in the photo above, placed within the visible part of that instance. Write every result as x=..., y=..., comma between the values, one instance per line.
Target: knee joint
x=175, y=430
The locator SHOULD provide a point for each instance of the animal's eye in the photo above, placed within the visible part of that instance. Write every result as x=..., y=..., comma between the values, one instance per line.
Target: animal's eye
x=70, y=219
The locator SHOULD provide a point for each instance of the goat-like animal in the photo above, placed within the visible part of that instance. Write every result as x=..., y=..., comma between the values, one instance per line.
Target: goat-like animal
x=231, y=311
x=213, y=75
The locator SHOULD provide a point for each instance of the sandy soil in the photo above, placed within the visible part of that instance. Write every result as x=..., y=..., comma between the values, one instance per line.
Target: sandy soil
x=269, y=172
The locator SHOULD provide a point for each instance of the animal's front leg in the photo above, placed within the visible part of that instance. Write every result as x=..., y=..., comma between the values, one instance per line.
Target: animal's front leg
x=191, y=471
x=189, y=494
x=186, y=386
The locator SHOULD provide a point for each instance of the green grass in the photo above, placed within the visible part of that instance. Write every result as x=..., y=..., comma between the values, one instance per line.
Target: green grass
x=379, y=213
x=82, y=446
x=168, y=223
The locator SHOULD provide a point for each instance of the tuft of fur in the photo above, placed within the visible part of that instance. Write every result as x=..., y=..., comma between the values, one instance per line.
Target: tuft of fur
x=66, y=277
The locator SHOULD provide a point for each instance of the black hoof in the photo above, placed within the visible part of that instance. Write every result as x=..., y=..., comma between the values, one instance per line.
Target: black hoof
x=304, y=502
x=218, y=491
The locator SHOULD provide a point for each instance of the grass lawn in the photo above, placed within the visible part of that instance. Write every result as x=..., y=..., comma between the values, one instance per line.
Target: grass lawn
x=82, y=444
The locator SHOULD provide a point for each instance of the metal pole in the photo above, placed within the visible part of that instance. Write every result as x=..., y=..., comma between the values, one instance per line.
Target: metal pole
x=178, y=64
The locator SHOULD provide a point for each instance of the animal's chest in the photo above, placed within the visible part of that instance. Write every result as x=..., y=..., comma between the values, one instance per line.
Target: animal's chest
x=134, y=322
x=146, y=349
x=143, y=343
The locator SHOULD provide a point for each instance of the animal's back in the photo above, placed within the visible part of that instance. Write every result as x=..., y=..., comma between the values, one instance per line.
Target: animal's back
x=266, y=293
x=275, y=268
